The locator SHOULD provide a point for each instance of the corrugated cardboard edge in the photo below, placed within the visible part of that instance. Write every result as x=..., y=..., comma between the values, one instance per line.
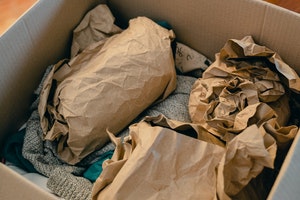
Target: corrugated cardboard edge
x=14, y=186
x=287, y=183
x=35, y=42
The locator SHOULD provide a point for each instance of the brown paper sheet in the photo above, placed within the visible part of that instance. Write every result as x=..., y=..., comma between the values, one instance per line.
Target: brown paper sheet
x=98, y=24
x=189, y=129
x=106, y=86
x=245, y=155
x=245, y=158
x=162, y=164
x=145, y=162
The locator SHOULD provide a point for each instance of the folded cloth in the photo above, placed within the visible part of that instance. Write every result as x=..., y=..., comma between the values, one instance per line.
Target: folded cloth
x=43, y=156
x=95, y=169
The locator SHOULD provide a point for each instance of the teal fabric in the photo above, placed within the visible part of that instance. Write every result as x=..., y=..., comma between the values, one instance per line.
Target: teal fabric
x=164, y=24
x=12, y=151
x=94, y=171
x=168, y=26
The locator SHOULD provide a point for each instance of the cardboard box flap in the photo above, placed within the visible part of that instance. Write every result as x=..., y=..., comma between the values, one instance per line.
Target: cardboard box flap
x=14, y=186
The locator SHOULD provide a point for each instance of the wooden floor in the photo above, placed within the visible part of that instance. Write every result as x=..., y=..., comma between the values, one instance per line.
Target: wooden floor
x=293, y=5
x=11, y=10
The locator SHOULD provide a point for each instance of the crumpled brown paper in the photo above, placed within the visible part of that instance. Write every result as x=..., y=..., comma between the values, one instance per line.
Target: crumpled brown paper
x=241, y=89
x=236, y=84
x=245, y=158
x=106, y=86
x=156, y=162
x=97, y=24
x=249, y=60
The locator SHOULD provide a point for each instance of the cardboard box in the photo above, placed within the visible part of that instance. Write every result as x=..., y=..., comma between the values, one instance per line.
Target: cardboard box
x=43, y=35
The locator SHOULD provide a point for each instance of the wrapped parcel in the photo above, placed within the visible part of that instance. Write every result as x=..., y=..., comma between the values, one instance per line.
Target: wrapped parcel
x=105, y=87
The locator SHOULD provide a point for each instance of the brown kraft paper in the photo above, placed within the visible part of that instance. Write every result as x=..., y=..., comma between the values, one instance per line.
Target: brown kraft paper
x=233, y=90
x=246, y=90
x=157, y=161
x=105, y=87
x=98, y=24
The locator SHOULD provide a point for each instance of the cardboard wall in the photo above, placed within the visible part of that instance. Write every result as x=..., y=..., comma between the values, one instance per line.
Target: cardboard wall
x=207, y=25
x=287, y=183
x=43, y=36
x=14, y=187
x=40, y=38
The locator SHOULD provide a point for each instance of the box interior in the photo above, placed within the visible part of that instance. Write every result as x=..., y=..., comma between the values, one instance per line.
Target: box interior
x=43, y=35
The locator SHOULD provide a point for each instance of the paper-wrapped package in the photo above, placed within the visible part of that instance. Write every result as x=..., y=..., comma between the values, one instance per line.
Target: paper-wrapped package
x=106, y=86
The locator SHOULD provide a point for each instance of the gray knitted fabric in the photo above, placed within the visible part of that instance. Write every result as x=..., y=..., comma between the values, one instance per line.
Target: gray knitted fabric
x=176, y=105
x=43, y=155
x=66, y=180
x=68, y=186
